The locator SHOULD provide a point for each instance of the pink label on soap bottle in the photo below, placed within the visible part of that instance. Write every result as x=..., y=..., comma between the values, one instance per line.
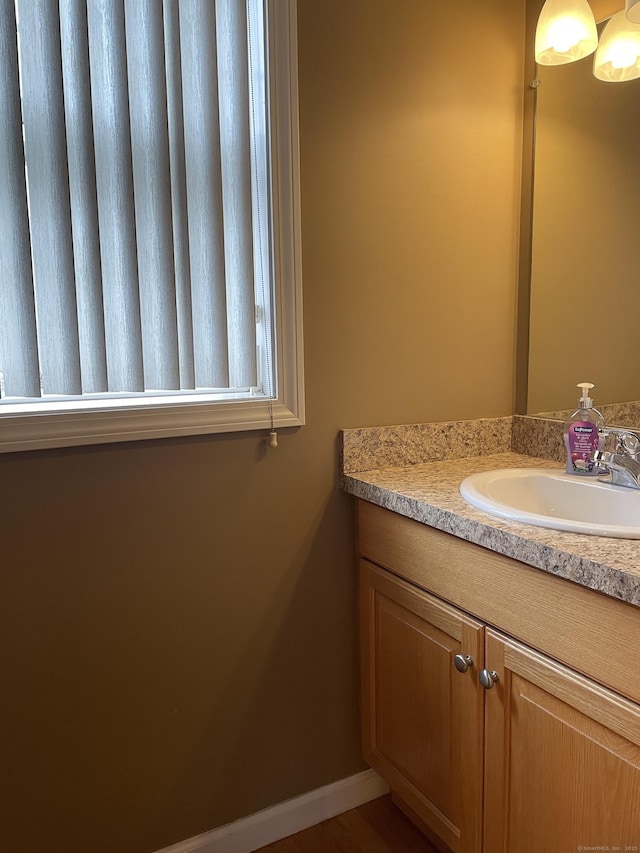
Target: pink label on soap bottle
x=583, y=441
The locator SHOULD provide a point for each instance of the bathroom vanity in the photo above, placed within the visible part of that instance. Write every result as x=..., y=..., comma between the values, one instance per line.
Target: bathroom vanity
x=500, y=680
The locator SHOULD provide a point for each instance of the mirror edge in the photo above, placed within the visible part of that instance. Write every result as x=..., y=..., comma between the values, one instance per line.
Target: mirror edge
x=602, y=9
x=523, y=294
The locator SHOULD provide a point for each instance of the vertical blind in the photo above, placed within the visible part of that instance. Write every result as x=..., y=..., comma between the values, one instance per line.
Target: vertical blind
x=127, y=196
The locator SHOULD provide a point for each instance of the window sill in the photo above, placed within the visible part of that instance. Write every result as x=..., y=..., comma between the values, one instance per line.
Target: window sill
x=67, y=429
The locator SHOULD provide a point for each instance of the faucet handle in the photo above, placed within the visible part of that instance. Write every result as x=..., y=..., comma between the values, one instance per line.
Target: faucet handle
x=630, y=443
x=626, y=441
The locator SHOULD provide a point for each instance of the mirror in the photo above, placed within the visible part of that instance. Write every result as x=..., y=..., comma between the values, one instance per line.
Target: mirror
x=584, y=308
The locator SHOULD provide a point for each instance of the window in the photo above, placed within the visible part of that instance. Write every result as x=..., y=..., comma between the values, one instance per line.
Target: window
x=149, y=220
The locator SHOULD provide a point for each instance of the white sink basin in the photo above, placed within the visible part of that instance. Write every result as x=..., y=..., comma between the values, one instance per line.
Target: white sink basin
x=550, y=498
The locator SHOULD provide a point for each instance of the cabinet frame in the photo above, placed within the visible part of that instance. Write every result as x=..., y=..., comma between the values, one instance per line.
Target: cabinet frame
x=588, y=631
x=569, y=646
x=594, y=715
x=457, y=633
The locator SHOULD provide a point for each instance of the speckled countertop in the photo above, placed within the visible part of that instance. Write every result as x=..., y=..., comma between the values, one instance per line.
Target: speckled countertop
x=428, y=491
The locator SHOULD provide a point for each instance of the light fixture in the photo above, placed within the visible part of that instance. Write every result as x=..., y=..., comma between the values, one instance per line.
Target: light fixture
x=632, y=10
x=618, y=54
x=566, y=32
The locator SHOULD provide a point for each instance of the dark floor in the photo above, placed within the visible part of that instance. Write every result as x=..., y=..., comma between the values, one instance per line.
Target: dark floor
x=375, y=827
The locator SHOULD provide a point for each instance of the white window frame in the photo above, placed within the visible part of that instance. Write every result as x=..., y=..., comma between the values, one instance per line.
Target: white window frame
x=123, y=419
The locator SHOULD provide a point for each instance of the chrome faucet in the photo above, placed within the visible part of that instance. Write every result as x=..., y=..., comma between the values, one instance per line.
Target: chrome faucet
x=622, y=464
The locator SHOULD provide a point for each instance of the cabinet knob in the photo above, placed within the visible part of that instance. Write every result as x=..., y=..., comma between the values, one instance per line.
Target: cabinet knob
x=462, y=662
x=488, y=677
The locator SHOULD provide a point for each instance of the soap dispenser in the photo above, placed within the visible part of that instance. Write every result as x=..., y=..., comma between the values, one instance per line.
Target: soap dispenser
x=582, y=435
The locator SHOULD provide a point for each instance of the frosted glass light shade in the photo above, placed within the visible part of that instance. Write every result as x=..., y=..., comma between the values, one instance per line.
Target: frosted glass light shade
x=618, y=54
x=566, y=32
x=632, y=10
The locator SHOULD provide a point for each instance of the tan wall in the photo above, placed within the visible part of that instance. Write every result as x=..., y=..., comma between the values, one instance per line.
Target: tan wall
x=177, y=617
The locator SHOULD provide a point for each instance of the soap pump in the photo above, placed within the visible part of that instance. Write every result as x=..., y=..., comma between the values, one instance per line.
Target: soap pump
x=582, y=435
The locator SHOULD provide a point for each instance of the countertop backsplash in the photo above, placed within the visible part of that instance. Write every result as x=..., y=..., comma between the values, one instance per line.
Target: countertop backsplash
x=369, y=448
x=614, y=414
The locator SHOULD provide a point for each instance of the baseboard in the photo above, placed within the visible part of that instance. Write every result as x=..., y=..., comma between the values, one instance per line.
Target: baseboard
x=265, y=827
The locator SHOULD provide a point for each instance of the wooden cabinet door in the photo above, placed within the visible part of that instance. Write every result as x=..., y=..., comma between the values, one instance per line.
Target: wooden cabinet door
x=562, y=758
x=422, y=719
